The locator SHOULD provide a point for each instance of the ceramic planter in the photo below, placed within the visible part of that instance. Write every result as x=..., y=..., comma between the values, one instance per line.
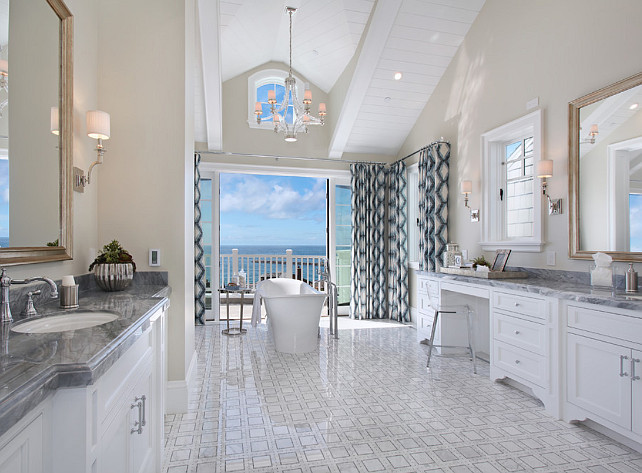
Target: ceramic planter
x=114, y=277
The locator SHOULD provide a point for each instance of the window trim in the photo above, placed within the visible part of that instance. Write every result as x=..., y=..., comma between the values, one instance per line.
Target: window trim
x=493, y=231
x=266, y=76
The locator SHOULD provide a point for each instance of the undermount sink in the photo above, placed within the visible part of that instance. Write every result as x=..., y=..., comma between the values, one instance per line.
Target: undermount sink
x=63, y=323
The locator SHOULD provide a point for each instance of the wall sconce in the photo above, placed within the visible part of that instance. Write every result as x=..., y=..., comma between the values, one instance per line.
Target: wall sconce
x=544, y=170
x=467, y=188
x=98, y=127
x=592, y=135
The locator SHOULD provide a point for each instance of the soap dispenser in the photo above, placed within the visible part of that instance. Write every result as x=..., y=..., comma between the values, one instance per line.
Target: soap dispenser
x=631, y=279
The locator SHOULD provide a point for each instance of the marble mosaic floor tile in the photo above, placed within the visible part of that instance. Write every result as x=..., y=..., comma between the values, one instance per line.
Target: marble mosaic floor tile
x=366, y=403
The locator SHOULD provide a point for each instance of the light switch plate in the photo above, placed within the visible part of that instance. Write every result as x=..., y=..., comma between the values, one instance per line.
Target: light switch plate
x=154, y=257
x=550, y=258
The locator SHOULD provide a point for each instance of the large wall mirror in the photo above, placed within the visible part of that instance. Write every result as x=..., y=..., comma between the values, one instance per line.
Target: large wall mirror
x=605, y=172
x=35, y=131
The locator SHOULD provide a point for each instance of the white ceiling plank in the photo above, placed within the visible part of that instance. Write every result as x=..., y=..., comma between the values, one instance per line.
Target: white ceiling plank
x=435, y=10
x=208, y=14
x=422, y=35
x=383, y=19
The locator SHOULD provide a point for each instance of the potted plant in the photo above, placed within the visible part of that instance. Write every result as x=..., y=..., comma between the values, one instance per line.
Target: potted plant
x=480, y=261
x=113, y=268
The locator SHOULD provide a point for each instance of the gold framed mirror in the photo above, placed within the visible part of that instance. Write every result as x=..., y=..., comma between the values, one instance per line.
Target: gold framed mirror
x=38, y=193
x=605, y=172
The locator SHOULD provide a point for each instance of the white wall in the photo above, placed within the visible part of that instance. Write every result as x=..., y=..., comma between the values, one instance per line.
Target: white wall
x=517, y=50
x=145, y=187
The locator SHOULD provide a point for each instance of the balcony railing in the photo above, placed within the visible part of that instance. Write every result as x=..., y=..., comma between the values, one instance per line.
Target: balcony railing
x=259, y=267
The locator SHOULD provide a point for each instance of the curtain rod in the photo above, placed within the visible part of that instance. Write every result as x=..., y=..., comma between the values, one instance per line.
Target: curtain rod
x=440, y=141
x=302, y=158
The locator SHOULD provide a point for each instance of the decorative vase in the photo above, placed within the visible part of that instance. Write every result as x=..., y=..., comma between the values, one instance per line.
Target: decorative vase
x=114, y=277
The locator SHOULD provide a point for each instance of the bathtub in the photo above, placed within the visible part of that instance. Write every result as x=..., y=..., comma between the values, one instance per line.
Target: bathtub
x=293, y=309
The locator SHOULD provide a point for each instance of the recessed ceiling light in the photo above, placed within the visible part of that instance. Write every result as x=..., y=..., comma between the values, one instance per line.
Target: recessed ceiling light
x=634, y=106
x=398, y=75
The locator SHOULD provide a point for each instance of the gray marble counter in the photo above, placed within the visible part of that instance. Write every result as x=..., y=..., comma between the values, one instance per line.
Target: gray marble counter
x=33, y=366
x=561, y=285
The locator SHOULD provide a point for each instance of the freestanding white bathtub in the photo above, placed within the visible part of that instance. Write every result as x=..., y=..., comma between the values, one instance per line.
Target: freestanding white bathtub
x=293, y=309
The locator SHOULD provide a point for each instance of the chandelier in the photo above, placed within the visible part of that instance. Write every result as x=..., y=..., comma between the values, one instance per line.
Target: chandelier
x=302, y=118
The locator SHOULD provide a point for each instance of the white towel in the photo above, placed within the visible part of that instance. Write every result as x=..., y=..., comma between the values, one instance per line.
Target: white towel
x=256, y=306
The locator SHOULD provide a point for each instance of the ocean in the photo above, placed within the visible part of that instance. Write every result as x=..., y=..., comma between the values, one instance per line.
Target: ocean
x=256, y=268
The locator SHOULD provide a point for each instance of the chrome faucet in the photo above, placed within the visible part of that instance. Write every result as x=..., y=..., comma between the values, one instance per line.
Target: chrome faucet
x=5, y=284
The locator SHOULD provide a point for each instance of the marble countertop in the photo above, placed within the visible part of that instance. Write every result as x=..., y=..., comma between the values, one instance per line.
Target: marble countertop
x=33, y=366
x=559, y=287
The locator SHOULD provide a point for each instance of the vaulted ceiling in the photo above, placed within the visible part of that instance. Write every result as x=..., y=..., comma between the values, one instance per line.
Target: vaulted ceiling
x=415, y=37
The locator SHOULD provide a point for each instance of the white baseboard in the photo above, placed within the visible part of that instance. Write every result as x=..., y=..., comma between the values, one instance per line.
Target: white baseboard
x=177, y=392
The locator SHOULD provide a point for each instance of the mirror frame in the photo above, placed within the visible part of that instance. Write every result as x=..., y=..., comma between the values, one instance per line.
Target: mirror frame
x=574, y=168
x=22, y=255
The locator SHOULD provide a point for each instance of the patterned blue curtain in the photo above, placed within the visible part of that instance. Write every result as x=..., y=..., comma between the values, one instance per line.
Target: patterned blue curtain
x=433, y=204
x=398, y=243
x=368, y=268
x=199, y=268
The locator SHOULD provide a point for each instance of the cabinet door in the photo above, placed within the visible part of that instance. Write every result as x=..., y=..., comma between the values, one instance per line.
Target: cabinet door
x=636, y=384
x=142, y=441
x=597, y=381
x=114, y=445
x=23, y=453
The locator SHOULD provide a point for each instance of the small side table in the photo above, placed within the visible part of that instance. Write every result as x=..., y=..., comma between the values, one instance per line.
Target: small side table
x=239, y=290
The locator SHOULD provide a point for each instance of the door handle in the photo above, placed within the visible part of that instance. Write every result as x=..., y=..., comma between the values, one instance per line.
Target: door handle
x=622, y=372
x=633, y=375
x=139, y=402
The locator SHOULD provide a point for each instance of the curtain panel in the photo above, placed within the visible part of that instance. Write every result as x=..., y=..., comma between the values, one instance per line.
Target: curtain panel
x=398, y=243
x=199, y=267
x=368, y=266
x=433, y=204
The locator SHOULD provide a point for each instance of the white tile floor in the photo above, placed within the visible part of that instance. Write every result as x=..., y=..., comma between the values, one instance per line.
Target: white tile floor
x=365, y=403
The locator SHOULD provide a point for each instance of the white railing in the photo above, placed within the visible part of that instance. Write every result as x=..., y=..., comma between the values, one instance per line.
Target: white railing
x=259, y=267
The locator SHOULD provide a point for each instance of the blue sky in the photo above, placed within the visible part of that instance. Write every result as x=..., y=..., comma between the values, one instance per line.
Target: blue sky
x=272, y=210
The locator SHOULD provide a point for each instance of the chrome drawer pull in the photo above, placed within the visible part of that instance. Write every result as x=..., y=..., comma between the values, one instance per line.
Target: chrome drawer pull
x=516, y=304
x=622, y=372
x=633, y=375
x=139, y=402
x=516, y=332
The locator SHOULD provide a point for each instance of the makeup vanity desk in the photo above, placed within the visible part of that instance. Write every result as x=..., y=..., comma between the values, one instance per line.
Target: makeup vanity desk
x=578, y=350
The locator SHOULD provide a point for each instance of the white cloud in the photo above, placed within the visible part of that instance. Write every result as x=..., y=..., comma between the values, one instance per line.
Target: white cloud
x=273, y=198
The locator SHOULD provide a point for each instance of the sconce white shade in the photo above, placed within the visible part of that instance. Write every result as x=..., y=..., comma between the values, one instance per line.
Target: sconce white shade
x=544, y=168
x=55, y=121
x=466, y=187
x=4, y=67
x=98, y=125
x=593, y=130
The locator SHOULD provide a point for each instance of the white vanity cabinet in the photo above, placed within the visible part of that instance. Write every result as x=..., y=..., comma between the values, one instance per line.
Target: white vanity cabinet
x=521, y=341
x=603, y=366
x=113, y=425
x=428, y=296
x=22, y=448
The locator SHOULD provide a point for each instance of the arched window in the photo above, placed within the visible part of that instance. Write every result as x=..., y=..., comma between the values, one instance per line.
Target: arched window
x=258, y=86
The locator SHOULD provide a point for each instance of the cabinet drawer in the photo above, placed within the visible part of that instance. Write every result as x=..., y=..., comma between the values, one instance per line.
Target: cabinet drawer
x=521, y=333
x=426, y=286
x=525, y=305
x=610, y=324
x=521, y=363
x=424, y=304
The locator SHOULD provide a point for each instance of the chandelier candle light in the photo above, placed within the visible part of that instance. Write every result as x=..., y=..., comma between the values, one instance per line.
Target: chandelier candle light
x=302, y=118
